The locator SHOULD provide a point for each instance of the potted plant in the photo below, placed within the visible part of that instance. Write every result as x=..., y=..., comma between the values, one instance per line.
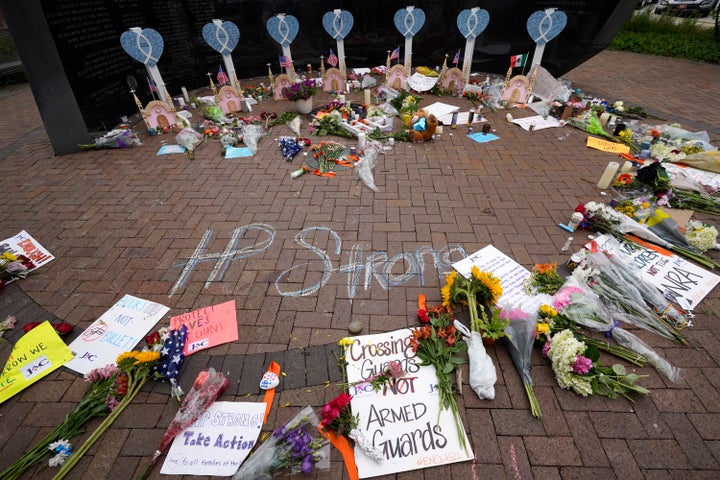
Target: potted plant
x=301, y=93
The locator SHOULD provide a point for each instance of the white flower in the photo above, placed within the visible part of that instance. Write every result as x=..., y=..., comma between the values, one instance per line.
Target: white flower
x=564, y=349
x=701, y=236
x=619, y=106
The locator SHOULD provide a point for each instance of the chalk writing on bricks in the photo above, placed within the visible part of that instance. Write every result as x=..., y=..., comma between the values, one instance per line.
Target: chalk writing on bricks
x=360, y=268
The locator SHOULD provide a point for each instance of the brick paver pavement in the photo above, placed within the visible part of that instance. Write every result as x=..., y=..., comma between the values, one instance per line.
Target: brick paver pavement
x=312, y=254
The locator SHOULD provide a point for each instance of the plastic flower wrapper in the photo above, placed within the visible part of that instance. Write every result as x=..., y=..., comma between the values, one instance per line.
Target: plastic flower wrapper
x=13, y=267
x=207, y=387
x=482, y=375
x=252, y=135
x=190, y=139
x=618, y=264
x=117, y=138
x=619, y=292
x=364, y=167
x=338, y=420
x=294, y=125
x=520, y=340
x=583, y=306
x=289, y=447
x=7, y=324
x=289, y=147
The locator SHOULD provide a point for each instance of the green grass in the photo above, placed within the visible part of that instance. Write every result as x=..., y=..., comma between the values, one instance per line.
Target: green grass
x=668, y=36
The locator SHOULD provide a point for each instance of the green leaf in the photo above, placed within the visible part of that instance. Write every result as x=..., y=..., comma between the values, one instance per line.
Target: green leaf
x=619, y=369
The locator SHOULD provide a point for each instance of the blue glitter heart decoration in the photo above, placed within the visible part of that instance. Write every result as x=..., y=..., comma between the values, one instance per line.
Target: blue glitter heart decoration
x=222, y=38
x=283, y=29
x=145, y=46
x=544, y=25
x=472, y=22
x=338, y=24
x=409, y=22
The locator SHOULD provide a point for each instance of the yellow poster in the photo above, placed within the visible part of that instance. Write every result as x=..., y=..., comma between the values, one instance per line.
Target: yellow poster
x=607, y=146
x=36, y=354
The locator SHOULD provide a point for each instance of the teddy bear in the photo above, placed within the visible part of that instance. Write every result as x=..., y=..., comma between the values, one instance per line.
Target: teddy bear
x=423, y=126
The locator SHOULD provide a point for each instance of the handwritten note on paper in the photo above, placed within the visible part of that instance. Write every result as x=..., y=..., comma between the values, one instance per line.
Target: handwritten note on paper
x=512, y=276
x=404, y=420
x=607, y=146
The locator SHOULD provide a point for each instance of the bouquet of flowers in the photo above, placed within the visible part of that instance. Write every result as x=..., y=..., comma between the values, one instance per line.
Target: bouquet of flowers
x=551, y=322
x=582, y=305
x=543, y=279
x=301, y=90
x=326, y=154
x=107, y=388
x=520, y=339
x=289, y=447
x=701, y=235
x=13, y=267
x=338, y=419
x=576, y=367
x=439, y=344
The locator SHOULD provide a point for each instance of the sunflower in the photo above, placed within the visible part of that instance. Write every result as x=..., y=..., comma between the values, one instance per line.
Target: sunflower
x=446, y=290
x=125, y=356
x=146, y=357
x=488, y=286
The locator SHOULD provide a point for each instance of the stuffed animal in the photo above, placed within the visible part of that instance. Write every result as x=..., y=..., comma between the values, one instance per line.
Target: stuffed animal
x=423, y=126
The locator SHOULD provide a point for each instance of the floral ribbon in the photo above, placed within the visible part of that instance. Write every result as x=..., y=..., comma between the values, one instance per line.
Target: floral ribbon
x=347, y=452
x=321, y=174
x=608, y=334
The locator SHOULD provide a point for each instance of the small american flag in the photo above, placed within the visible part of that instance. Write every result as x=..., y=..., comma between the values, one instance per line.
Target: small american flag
x=222, y=77
x=332, y=58
x=457, y=58
x=171, y=355
x=285, y=62
x=395, y=54
x=151, y=84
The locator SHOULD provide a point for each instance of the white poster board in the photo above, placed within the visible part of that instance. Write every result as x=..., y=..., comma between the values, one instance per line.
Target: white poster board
x=404, y=422
x=512, y=276
x=218, y=442
x=686, y=282
x=118, y=330
x=24, y=244
x=537, y=122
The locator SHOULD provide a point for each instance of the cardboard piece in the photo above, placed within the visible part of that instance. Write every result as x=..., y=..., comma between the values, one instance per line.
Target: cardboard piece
x=483, y=137
x=35, y=355
x=118, y=330
x=404, y=421
x=208, y=327
x=218, y=442
x=607, y=146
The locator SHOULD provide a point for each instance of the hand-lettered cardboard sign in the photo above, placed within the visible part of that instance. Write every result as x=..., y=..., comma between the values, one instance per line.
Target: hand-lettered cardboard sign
x=607, y=146
x=218, y=442
x=118, y=330
x=208, y=327
x=24, y=244
x=36, y=354
x=405, y=421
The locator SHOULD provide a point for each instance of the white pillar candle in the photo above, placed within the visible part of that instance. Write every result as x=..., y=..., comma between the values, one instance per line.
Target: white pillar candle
x=185, y=94
x=627, y=166
x=608, y=175
x=367, y=96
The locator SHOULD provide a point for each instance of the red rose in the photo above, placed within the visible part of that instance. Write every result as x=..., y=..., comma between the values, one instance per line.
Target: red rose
x=423, y=316
x=152, y=339
x=29, y=326
x=63, y=328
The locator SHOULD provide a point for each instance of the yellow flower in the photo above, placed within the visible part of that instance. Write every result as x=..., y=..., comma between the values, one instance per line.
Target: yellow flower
x=9, y=256
x=542, y=328
x=445, y=290
x=127, y=356
x=493, y=289
x=146, y=357
x=345, y=342
x=547, y=311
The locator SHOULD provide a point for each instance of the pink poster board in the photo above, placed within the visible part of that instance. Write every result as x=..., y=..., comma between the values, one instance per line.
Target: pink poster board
x=208, y=326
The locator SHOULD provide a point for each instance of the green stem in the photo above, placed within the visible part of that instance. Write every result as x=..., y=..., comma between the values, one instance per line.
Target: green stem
x=534, y=405
x=135, y=386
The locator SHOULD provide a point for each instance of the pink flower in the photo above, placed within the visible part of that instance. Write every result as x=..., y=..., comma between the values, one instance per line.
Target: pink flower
x=395, y=369
x=582, y=365
x=563, y=298
x=546, y=348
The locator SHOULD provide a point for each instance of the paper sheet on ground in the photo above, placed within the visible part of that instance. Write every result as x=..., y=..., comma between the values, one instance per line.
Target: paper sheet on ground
x=483, y=137
x=218, y=442
x=682, y=278
x=24, y=244
x=440, y=110
x=402, y=421
x=169, y=149
x=462, y=119
x=512, y=275
x=238, y=152
x=208, y=327
x=421, y=83
x=538, y=122
x=118, y=330
x=36, y=354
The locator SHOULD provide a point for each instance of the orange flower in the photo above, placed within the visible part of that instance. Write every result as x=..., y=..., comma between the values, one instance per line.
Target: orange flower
x=624, y=179
x=546, y=268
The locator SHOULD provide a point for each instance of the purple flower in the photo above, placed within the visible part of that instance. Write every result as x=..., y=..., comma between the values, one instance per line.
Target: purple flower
x=582, y=365
x=308, y=464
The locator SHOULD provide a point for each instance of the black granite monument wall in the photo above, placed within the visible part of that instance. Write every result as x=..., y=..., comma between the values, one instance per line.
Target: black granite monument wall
x=81, y=77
